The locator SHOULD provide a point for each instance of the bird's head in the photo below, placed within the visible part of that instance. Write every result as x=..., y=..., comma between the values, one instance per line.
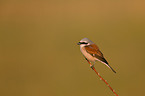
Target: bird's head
x=85, y=42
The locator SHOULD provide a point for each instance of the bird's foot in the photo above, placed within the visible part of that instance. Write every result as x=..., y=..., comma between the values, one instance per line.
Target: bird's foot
x=92, y=66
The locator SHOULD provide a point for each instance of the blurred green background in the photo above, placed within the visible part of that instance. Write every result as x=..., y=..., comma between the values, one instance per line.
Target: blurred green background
x=39, y=55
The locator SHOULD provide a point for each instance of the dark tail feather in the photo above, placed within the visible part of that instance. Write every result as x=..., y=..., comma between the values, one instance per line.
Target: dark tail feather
x=111, y=68
x=103, y=60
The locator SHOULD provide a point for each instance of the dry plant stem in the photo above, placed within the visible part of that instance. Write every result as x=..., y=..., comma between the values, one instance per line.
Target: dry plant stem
x=102, y=78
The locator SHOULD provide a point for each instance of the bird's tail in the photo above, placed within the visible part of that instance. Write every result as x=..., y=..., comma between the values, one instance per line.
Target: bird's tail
x=103, y=60
x=110, y=68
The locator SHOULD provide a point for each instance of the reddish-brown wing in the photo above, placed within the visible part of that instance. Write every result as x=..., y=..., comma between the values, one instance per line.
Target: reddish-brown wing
x=93, y=49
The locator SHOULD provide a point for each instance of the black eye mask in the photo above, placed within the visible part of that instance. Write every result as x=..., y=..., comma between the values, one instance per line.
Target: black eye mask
x=82, y=43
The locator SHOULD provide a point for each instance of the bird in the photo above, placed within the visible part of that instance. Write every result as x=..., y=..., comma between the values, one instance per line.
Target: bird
x=92, y=52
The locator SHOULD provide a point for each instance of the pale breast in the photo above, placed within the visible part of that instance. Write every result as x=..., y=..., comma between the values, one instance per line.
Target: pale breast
x=87, y=55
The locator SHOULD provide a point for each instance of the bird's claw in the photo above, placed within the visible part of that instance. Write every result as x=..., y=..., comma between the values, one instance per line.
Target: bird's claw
x=92, y=66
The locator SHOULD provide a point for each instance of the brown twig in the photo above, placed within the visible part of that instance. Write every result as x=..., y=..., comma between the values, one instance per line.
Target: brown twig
x=102, y=78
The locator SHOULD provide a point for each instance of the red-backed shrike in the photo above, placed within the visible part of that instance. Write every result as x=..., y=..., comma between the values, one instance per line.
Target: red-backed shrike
x=92, y=53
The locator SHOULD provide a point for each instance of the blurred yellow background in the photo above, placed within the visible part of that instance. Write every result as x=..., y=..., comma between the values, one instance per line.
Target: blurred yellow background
x=39, y=55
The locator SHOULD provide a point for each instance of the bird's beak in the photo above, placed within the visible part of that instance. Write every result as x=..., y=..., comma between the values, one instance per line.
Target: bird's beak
x=78, y=43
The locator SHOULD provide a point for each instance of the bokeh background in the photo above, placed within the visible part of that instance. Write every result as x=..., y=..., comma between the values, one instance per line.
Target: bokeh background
x=39, y=55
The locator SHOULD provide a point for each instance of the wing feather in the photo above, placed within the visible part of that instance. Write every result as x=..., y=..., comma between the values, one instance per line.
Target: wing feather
x=94, y=51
